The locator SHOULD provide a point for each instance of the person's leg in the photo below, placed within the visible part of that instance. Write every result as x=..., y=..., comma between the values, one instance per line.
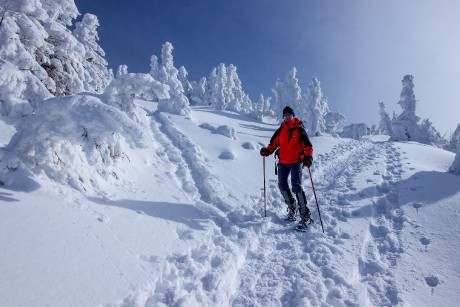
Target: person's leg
x=283, y=174
x=296, y=177
x=296, y=182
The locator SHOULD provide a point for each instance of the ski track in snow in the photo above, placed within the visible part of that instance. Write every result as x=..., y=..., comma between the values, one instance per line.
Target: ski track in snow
x=253, y=261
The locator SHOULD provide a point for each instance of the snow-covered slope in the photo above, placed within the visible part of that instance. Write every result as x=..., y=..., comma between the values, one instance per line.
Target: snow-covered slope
x=182, y=224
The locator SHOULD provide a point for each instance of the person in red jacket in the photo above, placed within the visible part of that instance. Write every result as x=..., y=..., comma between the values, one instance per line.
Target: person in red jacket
x=294, y=151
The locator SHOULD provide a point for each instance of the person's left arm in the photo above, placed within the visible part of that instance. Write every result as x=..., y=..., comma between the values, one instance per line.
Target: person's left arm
x=307, y=148
x=306, y=144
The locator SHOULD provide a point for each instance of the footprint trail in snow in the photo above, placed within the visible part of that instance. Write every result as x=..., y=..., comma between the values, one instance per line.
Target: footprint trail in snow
x=249, y=260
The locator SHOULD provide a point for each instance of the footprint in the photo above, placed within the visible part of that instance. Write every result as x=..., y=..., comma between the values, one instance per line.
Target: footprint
x=103, y=219
x=248, y=145
x=417, y=206
x=432, y=281
x=227, y=155
x=425, y=241
x=151, y=259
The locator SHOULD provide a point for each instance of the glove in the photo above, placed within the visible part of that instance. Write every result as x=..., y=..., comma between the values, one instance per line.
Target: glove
x=264, y=152
x=307, y=161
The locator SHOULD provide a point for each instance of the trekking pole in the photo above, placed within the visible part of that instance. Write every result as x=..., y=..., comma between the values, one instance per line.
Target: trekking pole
x=265, y=193
x=314, y=193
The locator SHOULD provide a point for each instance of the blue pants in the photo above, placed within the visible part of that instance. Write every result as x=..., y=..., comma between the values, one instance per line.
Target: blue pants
x=295, y=170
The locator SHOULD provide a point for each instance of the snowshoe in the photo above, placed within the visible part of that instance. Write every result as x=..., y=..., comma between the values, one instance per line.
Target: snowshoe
x=292, y=209
x=303, y=224
x=291, y=204
x=291, y=216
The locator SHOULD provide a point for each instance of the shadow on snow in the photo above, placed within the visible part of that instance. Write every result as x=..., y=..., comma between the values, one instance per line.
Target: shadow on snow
x=185, y=214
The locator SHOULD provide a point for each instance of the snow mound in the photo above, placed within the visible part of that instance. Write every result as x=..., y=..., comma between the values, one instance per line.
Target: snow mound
x=227, y=155
x=248, y=145
x=225, y=130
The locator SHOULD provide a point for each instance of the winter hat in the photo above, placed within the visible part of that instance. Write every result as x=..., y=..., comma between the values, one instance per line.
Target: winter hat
x=288, y=110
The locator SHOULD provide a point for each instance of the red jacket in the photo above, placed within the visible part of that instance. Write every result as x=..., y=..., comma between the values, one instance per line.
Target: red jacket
x=292, y=141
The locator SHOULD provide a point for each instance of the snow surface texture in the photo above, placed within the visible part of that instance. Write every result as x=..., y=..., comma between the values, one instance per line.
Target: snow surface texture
x=182, y=222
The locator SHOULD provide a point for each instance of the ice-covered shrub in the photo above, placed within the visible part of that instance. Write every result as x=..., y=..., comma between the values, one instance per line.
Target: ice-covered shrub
x=75, y=140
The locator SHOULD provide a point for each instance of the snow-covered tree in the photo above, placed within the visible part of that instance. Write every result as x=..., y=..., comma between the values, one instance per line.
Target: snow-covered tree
x=224, y=90
x=287, y=93
x=233, y=90
x=122, y=70
x=120, y=93
x=66, y=61
x=97, y=76
x=314, y=109
x=20, y=91
x=427, y=134
x=186, y=84
x=405, y=125
x=166, y=73
x=334, y=122
x=220, y=87
x=452, y=145
x=44, y=54
x=210, y=97
x=385, y=121
x=62, y=11
x=455, y=167
x=198, y=92
x=355, y=131
x=238, y=100
x=261, y=108
x=155, y=68
x=24, y=52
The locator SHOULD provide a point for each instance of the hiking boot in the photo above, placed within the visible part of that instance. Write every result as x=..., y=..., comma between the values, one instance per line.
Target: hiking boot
x=304, y=222
x=290, y=202
x=302, y=201
x=292, y=209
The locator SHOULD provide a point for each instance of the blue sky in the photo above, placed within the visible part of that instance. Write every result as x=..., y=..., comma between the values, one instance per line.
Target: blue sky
x=359, y=49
